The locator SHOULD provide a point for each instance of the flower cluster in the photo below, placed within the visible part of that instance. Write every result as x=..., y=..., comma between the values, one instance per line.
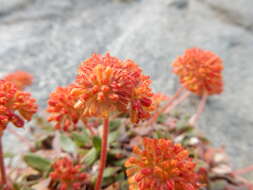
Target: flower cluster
x=15, y=105
x=20, y=79
x=161, y=165
x=106, y=84
x=61, y=106
x=68, y=174
x=200, y=71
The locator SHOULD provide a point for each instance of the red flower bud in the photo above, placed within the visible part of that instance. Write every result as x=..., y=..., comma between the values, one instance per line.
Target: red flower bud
x=68, y=174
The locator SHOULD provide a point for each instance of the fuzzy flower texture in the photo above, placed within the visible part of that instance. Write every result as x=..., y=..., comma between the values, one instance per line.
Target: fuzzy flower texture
x=15, y=105
x=161, y=165
x=68, y=175
x=104, y=85
x=107, y=84
x=61, y=106
x=20, y=79
x=200, y=71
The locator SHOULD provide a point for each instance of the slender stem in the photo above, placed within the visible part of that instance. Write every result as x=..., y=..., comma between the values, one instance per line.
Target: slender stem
x=246, y=182
x=103, y=154
x=156, y=115
x=177, y=101
x=3, y=174
x=20, y=137
x=244, y=170
x=56, y=142
x=200, y=109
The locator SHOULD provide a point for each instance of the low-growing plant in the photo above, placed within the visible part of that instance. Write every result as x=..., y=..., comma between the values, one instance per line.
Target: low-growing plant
x=108, y=109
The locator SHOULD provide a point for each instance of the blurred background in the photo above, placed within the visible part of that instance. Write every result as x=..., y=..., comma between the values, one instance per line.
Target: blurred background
x=49, y=38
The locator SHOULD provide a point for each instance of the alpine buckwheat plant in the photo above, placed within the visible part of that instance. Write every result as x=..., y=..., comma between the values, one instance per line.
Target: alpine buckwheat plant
x=106, y=85
x=114, y=95
x=68, y=175
x=20, y=79
x=15, y=107
x=200, y=72
x=161, y=165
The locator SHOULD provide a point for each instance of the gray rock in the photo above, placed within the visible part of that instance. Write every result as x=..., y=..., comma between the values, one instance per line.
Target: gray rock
x=50, y=39
x=238, y=12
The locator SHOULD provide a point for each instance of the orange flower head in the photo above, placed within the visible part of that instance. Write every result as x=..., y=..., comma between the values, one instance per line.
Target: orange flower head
x=15, y=105
x=68, y=174
x=161, y=165
x=61, y=107
x=141, y=103
x=20, y=78
x=200, y=71
x=107, y=84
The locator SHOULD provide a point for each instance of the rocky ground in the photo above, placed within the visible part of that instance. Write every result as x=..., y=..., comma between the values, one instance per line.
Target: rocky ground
x=50, y=38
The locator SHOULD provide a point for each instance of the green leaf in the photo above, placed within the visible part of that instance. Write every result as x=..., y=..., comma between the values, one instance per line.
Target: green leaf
x=16, y=187
x=204, y=140
x=120, y=162
x=90, y=157
x=161, y=118
x=110, y=171
x=158, y=135
x=113, y=136
x=37, y=162
x=9, y=155
x=181, y=124
x=186, y=129
x=114, y=124
x=124, y=185
x=67, y=144
x=80, y=138
x=161, y=134
x=96, y=140
x=86, y=133
x=218, y=185
x=120, y=176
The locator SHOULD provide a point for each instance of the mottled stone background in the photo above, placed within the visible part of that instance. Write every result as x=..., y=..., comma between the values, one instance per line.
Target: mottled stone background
x=49, y=38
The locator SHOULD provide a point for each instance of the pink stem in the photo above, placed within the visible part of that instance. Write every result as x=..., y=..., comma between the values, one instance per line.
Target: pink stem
x=177, y=101
x=103, y=154
x=246, y=182
x=3, y=174
x=200, y=109
x=56, y=143
x=156, y=115
x=20, y=137
x=244, y=170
